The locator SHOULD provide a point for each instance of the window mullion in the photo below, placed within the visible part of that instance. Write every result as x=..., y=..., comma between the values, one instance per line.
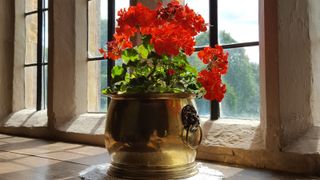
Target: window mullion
x=35, y=64
x=39, y=55
x=240, y=45
x=96, y=58
x=31, y=12
x=111, y=31
x=213, y=30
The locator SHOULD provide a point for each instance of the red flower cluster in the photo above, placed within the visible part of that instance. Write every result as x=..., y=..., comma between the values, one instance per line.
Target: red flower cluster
x=136, y=19
x=182, y=16
x=171, y=39
x=215, y=58
x=116, y=47
x=172, y=28
x=212, y=83
x=210, y=78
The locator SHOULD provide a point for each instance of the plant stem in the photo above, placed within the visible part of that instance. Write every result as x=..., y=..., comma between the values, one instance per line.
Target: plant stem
x=154, y=68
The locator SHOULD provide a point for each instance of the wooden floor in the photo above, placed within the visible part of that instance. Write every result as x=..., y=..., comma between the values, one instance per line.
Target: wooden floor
x=34, y=159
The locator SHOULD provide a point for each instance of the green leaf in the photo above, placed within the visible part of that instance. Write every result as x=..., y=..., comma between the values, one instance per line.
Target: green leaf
x=191, y=69
x=180, y=58
x=165, y=58
x=146, y=41
x=143, y=51
x=104, y=91
x=178, y=90
x=129, y=55
x=117, y=71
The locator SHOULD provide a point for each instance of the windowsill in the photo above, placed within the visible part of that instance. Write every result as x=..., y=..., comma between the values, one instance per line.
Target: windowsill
x=232, y=133
x=26, y=118
x=218, y=136
x=88, y=123
x=309, y=143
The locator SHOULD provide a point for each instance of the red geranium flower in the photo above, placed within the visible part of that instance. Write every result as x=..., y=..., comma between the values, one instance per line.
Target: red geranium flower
x=116, y=47
x=170, y=39
x=171, y=72
x=213, y=85
x=216, y=59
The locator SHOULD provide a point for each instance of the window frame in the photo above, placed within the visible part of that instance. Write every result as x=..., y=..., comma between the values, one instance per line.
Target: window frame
x=111, y=30
x=213, y=40
x=40, y=63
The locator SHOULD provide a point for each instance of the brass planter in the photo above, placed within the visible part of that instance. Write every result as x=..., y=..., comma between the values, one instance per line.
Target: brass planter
x=152, y=136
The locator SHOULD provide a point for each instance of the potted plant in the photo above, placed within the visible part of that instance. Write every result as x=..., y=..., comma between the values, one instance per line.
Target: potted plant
x=152, y=124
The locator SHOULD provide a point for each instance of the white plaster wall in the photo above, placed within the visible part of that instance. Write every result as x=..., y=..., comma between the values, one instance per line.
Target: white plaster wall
x=6, y=55
x=68, y=60
x=294, y=69
x=314, y=23
x=63, y=61
x=18, y=99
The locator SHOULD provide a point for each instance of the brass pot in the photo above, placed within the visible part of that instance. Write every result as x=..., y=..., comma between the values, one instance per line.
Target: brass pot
x=152, y=136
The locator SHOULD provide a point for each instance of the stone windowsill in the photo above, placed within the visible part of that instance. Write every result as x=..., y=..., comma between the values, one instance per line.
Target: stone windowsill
x=309, y=143
x=26, y=118
x=231, y=133
x=88, y=123
x=228, y=133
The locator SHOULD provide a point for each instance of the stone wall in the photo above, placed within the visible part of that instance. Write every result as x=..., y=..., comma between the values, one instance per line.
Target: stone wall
x=6, y=56
x=314, y=24
x=68, y=60
x=294, y=69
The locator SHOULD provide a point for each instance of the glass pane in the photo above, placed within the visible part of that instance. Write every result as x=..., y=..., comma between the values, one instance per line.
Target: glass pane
x=30, y=87
x=46, y=4
x=242, y=100
x=203, y=105
x=97, y=26
x=201, y=8
x=97, y=81
x=31, y=5
x=44, y=87
x=196, y=62
x=238, y=21
x=45, y=38
x=31, y=38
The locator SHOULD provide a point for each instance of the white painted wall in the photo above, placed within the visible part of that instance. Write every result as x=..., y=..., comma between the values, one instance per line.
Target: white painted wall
x=18, y=99
x=294, y=69
x=68, y=61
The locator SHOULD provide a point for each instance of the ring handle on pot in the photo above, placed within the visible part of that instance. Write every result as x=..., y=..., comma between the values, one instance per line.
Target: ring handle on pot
x=187, y=141
x=191, y=122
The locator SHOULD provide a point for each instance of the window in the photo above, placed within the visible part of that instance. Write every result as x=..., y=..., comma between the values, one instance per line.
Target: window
x=36, y=57
x=235, y=29
x=101, y=26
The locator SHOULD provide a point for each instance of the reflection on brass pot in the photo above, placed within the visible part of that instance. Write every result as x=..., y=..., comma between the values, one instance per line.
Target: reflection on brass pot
x=146, y=138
